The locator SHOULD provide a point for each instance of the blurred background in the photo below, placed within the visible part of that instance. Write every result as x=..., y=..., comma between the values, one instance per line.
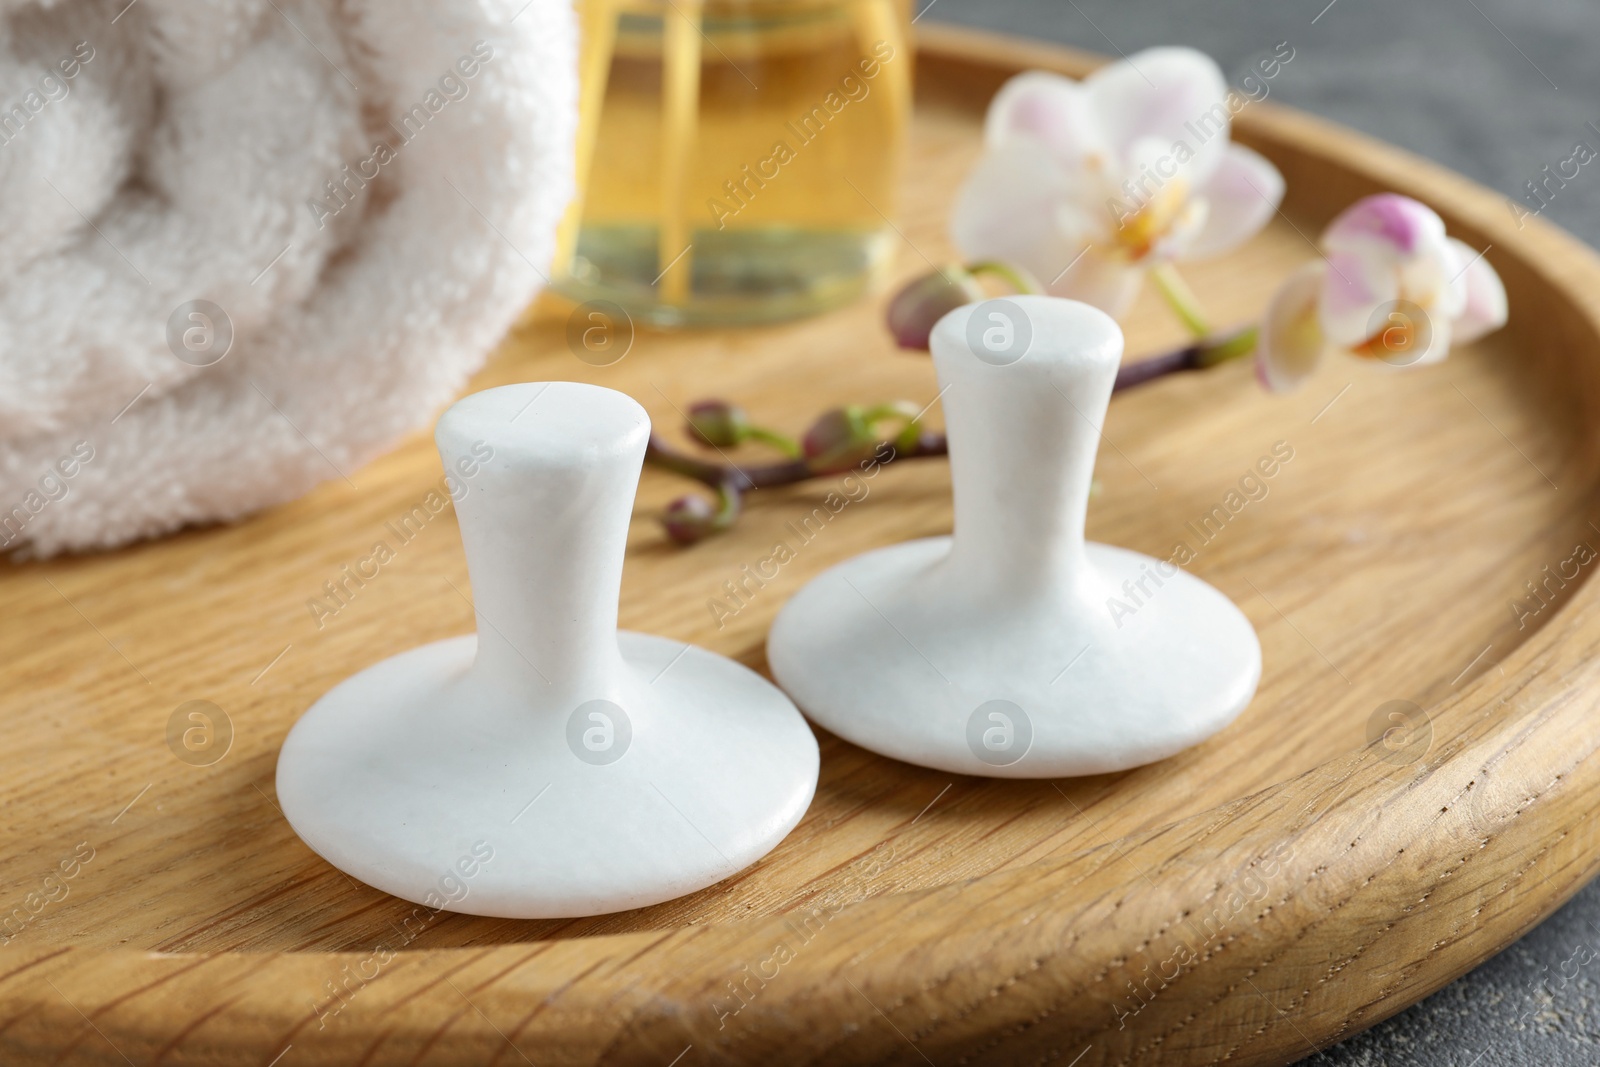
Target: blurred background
x=1495, y=90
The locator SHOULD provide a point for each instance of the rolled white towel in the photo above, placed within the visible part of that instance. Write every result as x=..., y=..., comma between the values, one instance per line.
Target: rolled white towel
x=367, y=189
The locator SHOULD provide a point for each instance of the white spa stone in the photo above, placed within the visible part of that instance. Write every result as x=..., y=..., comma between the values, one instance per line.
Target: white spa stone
x=549, y=766
x=994, y=651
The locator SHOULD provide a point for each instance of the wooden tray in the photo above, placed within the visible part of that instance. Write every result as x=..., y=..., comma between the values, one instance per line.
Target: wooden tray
x=1270, y=892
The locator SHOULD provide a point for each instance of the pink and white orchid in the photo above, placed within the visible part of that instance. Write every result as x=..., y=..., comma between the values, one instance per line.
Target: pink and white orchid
x=1089, y=184
x=1392, y=286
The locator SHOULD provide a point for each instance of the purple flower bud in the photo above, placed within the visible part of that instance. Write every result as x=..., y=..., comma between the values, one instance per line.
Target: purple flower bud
x=718, y=423
x=925, y=300
x=836, y=439
x=689, y=519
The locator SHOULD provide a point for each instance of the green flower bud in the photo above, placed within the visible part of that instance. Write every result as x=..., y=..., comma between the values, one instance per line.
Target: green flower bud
x=718, y=423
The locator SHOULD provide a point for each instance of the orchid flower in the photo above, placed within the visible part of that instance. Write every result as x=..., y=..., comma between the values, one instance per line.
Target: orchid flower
x=1392, y=286
x=1088, y=185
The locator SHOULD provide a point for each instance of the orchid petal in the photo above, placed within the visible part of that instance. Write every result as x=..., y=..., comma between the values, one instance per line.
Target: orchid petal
x=1357, y=284
x=1106, y=281
x=1434, y=276
x=1008, y=210
x=1387, y=223
x=1485, y=307
x=1176, y=95
x=1241, y=198
x=1291, y=340
x=1050, y=108
x=1441, y=336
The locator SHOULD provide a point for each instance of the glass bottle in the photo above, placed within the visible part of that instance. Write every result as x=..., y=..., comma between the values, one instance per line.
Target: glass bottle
x=737, y=159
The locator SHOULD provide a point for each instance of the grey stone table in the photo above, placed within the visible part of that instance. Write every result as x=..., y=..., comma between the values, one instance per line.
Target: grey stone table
x=1494, y=89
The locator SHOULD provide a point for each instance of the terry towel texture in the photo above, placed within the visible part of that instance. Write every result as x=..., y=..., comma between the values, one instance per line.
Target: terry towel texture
x=367, y=189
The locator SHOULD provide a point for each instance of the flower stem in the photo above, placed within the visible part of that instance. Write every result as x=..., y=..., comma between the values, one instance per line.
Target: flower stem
x=782, y=442
x=1198, y=356
x=730, y=501
x=1181, y=299
x=1235, y=345
x=1012, y=275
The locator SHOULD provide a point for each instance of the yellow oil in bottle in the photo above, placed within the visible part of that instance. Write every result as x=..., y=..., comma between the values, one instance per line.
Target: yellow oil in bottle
x=739, y=158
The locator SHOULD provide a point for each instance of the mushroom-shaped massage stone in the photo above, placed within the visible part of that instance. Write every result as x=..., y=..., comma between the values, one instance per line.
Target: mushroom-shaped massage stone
x=1002, y=650
x=549, y=766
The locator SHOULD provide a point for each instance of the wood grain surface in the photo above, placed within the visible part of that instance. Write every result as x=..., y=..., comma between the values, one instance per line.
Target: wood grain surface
x=1277, y=888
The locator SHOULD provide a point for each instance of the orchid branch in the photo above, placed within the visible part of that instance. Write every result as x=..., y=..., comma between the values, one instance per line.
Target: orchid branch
x=843, y=437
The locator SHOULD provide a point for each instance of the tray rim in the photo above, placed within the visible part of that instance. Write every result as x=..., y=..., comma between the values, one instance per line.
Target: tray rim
x=927, y=985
